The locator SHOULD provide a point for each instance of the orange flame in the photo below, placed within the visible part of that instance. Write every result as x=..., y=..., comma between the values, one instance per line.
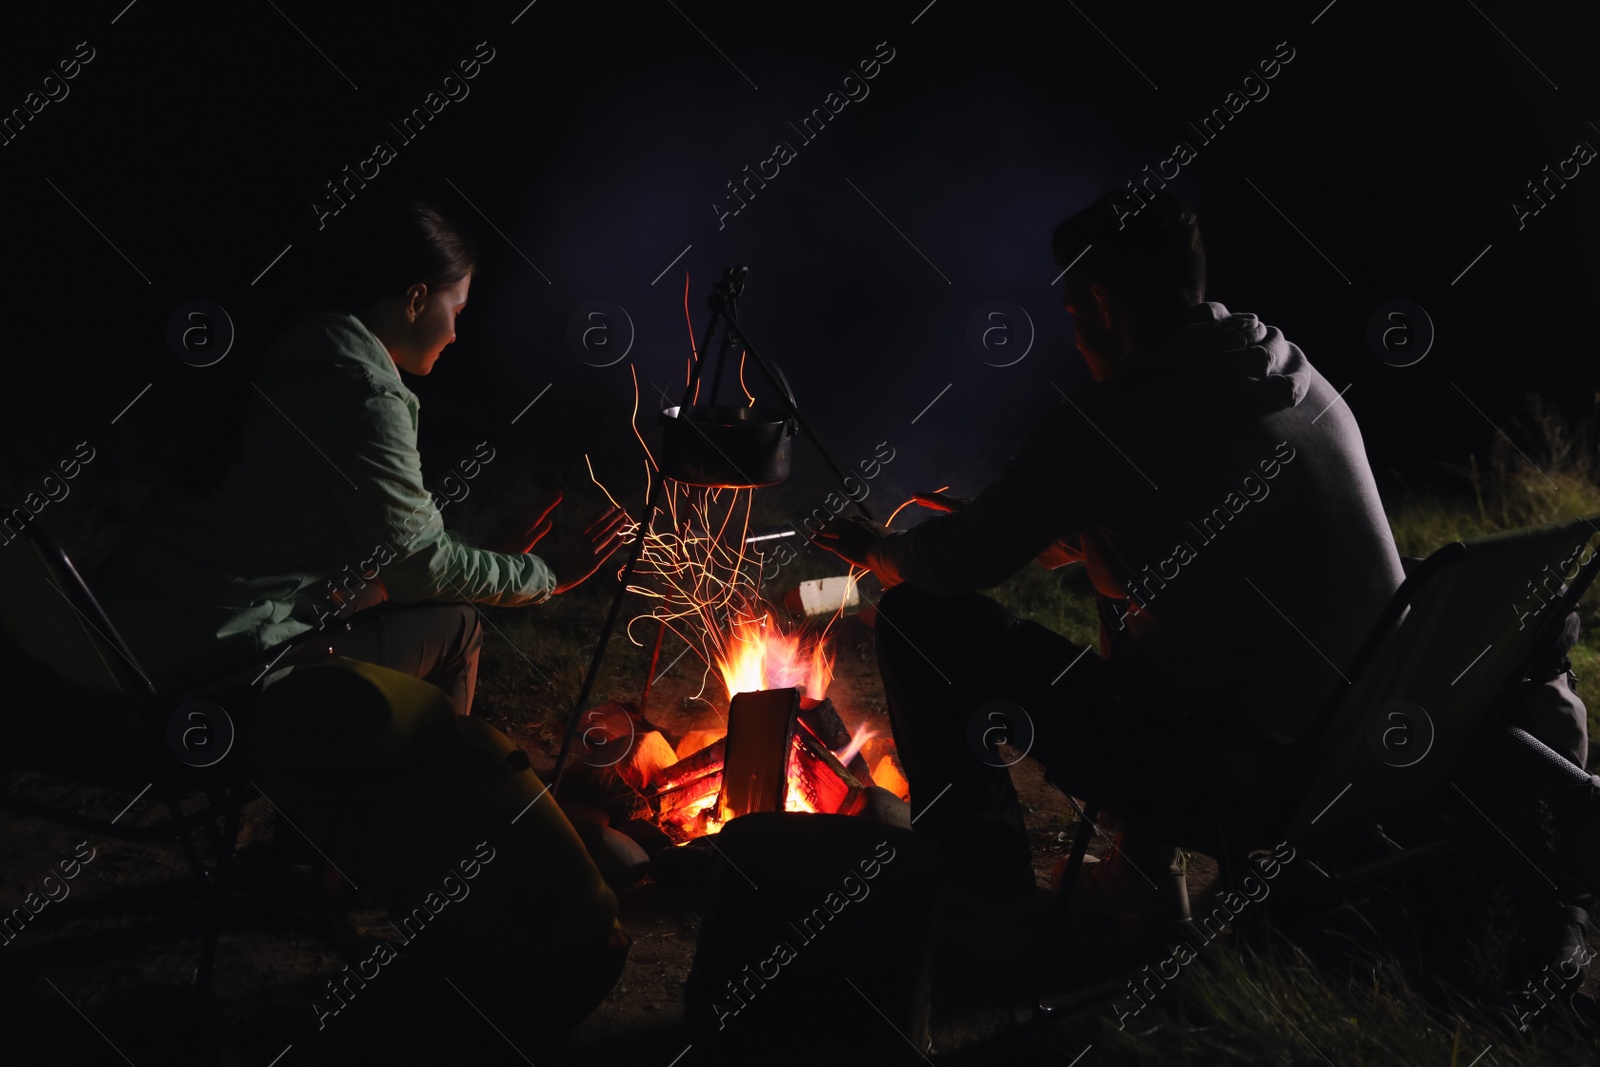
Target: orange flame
x=757, y=655
x=858, y=741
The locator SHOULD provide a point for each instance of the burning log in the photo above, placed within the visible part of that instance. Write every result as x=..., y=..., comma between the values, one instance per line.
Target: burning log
x=618, y=754
x=782, y=759
x=822, y=719
x=706, y=761
x=781, y=751
x=645, y=760
x=698, y=740
x=888, y=774
x=819, y=779
x=683, y=799
x=756, y=759
x=879, y=752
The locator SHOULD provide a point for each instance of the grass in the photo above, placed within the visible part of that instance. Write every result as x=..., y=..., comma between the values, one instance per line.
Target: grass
x=1553, y=475
x=1268, y=1001
x=1260, y=999
x=1062, y=600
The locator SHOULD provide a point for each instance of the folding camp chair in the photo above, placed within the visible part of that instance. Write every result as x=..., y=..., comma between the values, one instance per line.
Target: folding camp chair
x=85, y=711
x=1434, y=673
x=1464, y=631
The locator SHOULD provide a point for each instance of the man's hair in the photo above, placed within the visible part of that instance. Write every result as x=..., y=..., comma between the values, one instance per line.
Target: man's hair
x=393, y=244
x=1146, y=246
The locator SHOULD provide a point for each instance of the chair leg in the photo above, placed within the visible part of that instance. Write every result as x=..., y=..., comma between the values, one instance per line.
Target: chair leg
x=187, y=840
x=1227, y=866
x=1069, y=879
x=208, y=951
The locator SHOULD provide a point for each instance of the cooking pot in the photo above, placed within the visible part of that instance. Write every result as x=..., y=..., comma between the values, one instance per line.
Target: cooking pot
x=726, y=446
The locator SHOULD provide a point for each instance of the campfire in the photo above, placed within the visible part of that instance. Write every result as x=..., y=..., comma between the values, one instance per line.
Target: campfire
x=778, y=752
x=781, y=745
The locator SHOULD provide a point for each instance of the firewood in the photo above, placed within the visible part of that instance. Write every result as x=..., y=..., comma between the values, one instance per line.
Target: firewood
x=648, y=755
x=697, y=741
x=604, y=788
x=824, y=782
x=878, y=747
x=822, y=719
x=756, y=761
x=685, y=794
x=695, y=766
x=889, y=774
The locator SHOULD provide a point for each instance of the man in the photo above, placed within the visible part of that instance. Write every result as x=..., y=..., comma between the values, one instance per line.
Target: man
x=1216, y=487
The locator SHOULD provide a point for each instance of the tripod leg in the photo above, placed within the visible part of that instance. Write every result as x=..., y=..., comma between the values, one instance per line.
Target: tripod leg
x=634, y=553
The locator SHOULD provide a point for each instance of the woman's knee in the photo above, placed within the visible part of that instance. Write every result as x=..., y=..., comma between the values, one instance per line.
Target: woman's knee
x=471, y=623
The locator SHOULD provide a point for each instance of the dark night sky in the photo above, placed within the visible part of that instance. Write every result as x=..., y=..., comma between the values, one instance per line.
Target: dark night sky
x=598, y=138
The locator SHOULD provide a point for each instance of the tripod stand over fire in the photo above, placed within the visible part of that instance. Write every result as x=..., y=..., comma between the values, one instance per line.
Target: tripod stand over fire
x=781, y=744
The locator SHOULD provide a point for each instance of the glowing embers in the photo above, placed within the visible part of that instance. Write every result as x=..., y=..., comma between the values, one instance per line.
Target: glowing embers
x=776, y=756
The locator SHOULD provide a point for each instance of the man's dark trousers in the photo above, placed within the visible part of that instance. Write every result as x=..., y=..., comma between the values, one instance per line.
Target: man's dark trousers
x=963, y=674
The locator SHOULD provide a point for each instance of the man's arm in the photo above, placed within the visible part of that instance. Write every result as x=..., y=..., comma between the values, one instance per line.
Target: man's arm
x=1066, y=478
x=1061, y=553
x=1065, y=551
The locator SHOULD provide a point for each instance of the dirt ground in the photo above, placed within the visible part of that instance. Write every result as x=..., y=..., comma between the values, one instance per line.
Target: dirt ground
x=101, y=975
x=648, y=997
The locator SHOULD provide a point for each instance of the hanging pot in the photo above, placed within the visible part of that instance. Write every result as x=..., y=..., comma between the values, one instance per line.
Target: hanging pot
x=726, y=446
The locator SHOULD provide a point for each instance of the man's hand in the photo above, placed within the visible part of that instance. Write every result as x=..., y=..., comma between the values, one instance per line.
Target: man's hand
x=574, y=556
x=940, y=502
x=1057, y=555
x=849, y=539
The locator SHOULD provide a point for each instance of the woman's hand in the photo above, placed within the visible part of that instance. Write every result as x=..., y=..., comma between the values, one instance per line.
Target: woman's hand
x=527, y=534
x=574, y=556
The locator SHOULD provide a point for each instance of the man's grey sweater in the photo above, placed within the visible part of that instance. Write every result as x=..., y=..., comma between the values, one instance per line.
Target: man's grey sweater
x=1218, y=491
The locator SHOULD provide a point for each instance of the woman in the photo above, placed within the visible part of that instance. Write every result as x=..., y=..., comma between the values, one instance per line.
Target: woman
x=323, y=514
